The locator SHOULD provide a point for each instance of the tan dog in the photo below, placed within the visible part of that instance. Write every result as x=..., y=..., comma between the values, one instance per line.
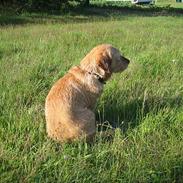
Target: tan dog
x=71, y=101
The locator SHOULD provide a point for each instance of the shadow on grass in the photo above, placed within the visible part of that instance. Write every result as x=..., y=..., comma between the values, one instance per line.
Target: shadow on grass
x=92, y=13
x=109, y=10
x=131, y=114
x=14, y=20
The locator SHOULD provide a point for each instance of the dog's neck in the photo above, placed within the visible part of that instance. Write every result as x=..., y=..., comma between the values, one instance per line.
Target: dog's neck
x=91, y=80
x=92, y=70
x=92, y=73
x=100, y=79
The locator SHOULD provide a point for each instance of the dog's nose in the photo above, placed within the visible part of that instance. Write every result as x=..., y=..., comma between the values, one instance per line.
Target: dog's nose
x=127, y=61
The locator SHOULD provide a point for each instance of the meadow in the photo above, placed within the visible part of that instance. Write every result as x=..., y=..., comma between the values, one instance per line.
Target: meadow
x=144, y=104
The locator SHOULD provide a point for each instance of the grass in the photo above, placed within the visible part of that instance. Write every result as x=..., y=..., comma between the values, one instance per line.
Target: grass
x=144, y=104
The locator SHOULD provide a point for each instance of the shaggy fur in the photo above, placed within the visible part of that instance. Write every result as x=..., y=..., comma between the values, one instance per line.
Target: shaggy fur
x=70, y=104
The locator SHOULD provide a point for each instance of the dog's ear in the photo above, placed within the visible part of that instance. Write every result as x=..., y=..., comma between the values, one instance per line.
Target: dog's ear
x=104, y=66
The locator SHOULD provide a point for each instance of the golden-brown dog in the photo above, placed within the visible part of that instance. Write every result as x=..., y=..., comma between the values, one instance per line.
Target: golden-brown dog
x=71, y=100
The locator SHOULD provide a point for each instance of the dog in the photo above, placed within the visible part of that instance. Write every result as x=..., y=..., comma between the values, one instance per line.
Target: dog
x=70, y=104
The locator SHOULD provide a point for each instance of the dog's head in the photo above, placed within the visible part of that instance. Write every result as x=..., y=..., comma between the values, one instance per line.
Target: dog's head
x=104, y=60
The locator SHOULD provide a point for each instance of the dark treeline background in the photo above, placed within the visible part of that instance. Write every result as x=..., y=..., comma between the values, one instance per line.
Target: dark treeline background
x=43, y=5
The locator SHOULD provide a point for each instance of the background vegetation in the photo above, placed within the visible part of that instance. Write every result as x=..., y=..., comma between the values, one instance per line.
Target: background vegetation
x=41, y=5
x=144, y=105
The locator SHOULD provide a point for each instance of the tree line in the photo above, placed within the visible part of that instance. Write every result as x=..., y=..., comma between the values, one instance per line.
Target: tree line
x=42, y=4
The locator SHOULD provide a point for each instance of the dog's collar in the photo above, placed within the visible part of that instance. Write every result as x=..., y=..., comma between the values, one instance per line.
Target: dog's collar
x=100, y=79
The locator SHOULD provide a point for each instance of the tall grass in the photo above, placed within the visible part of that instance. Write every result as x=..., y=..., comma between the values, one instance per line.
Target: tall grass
x=144, y=104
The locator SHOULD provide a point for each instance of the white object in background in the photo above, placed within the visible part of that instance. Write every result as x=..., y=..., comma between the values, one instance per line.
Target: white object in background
x=141, y=1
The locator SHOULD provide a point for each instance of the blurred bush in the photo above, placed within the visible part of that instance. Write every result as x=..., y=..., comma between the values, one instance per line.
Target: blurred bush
x=42, y=5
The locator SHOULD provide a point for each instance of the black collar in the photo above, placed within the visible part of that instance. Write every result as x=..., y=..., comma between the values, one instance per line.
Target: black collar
x=100, y=79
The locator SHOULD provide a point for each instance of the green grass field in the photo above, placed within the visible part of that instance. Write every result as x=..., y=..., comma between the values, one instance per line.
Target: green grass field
x=144, y=104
